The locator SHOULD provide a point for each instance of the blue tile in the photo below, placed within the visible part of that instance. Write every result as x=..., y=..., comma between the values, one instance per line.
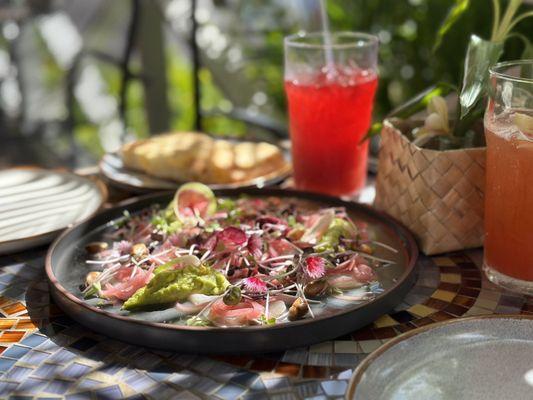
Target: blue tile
x=35, y=357
x=161, y=372
x=31, y=385
x=79, y=396
x=109, y=393
x=308, y=389
x=88, y=384
x=47, y=371
x=140, y=382
x=34, y=340
x=111, y=368
x=162, y=391
x=18, y=373
x=230, y=391
x=75, y=371
x=6, y=363
x=63, y=356
x=334, y=388
x=276, y=383
x=255, y=395
x=16, y=351
x=206, y=385
x=244, y=378
x=58, y=386
x=186, y=379
x=6, y=388
x=7, y=278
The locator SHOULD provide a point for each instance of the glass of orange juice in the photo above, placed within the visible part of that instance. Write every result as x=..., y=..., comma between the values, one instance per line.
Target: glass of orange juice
x=508, y=259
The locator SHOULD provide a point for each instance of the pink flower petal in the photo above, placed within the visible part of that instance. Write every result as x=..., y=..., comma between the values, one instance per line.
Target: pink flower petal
x=232, y=237
x=255, y=285
x=255, y=246
x=315, y=267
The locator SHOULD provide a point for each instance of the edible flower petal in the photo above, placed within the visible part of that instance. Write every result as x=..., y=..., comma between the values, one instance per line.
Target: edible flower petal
x=232, y=237
x=255, y=285
x=255, y=245
x=315, y=267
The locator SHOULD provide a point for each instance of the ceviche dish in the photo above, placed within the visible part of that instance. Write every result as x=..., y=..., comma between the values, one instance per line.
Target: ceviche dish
x=233, y=262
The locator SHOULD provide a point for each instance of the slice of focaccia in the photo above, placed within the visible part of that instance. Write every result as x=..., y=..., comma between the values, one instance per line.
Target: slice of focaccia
x=187, y=156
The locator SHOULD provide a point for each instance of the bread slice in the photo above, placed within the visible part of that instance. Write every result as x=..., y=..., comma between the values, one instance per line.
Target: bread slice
x=192, y=156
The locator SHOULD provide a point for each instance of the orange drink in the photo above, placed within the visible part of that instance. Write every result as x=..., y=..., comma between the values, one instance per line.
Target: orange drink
x=508, y=257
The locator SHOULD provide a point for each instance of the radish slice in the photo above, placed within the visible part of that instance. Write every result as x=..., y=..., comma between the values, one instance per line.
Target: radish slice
x=194, y=200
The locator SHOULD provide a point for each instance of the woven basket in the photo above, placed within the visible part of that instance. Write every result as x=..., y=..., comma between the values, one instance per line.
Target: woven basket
x=436, y=194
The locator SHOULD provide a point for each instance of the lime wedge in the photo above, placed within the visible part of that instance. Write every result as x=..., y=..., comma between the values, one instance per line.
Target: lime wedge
x=524, y=123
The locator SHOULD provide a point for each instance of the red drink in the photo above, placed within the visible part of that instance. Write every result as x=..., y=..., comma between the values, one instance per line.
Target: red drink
x=329, y=117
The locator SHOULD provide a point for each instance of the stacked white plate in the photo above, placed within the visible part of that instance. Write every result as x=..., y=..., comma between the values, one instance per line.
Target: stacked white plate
x=36, y=204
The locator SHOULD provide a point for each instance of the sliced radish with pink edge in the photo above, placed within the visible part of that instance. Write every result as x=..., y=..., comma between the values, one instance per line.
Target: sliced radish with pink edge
x=193, y=200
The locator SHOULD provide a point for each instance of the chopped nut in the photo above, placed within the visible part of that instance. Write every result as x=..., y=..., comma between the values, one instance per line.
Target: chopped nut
x=96, y=247
x=298, y=310
x=316, y=288
x=139, y=250
x=365, y=248
x=92, y=277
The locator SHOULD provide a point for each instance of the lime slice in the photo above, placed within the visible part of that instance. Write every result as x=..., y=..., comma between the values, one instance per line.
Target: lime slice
x=194, y=200
x=524, y=123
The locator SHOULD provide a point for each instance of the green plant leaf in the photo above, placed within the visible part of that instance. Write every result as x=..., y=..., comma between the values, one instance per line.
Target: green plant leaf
x=420, y=101
x=480, y=55
x=527, y=53
x=457, y=10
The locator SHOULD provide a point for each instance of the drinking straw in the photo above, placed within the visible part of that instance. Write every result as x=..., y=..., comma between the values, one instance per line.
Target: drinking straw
x=327, y=36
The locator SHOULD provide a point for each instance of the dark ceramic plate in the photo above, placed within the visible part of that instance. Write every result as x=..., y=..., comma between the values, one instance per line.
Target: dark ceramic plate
x=114, y=171
x=66, y=268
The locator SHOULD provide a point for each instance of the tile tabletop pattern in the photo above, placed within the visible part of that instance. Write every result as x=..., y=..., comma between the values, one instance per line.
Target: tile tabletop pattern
x=46, y=355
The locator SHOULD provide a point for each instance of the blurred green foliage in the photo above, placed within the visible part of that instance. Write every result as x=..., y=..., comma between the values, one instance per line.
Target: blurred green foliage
x=408, y=64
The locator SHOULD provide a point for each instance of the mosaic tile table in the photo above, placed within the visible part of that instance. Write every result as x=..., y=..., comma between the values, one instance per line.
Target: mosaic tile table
x=46, y=355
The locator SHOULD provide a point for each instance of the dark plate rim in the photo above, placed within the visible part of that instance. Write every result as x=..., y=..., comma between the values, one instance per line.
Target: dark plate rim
x=411, y=250
x=357, y=375
x=101, y=187
x=260, y=181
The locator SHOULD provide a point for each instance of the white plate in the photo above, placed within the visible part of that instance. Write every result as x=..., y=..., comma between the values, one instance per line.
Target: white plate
x=36, y=204
x=478, y=358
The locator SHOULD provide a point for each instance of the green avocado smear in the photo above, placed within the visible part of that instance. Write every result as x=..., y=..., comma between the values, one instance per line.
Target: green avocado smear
x=169, y=286
x=337, y=229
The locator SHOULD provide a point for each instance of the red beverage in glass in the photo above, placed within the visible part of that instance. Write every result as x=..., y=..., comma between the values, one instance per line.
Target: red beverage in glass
x=330, y=81
x=329, y=118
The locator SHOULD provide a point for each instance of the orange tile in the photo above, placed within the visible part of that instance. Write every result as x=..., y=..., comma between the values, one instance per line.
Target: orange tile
x=26, y=324
x=7, y=323
x=14, y=308
x=4, y=301
x=311, y=371
x=288, y=369
x=12, y=336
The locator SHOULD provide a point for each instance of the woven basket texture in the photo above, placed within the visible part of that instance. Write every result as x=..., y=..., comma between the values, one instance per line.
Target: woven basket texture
x=438, y=195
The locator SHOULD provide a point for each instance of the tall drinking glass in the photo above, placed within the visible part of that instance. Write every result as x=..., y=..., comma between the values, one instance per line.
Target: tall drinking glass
x=330, y=83
x=508, y=259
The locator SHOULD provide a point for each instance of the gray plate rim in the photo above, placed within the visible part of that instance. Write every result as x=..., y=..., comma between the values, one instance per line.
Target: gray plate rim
x=369, y=359
x=165, y=184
